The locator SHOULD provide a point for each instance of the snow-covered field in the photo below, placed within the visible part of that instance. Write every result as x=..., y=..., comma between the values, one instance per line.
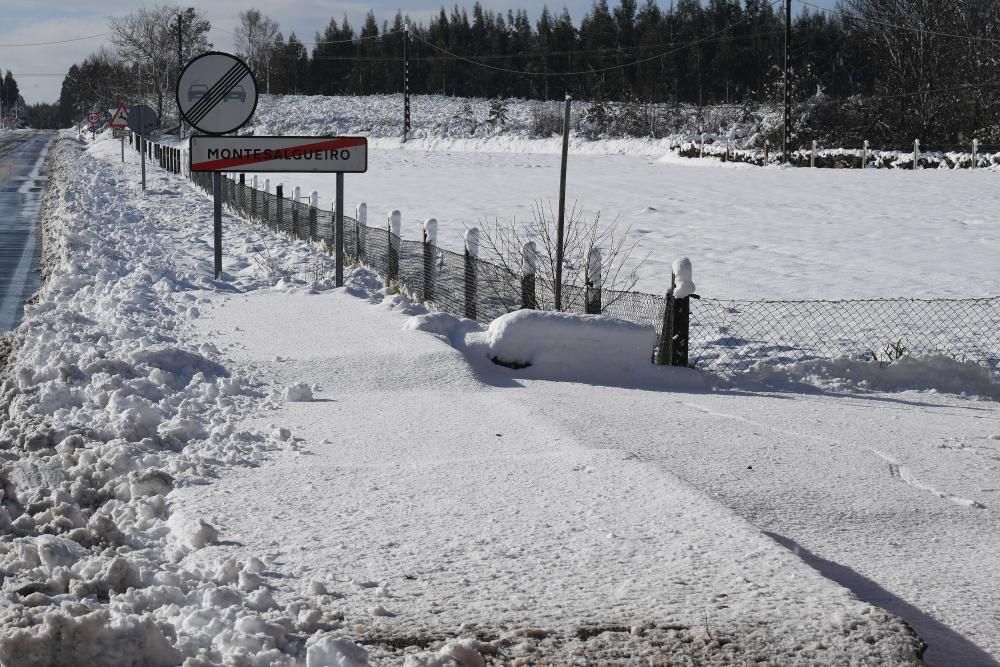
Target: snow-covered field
x=265, y=470
x=751, y=233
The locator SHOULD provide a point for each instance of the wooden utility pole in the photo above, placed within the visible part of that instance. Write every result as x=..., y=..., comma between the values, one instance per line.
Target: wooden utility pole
x=562, y=207
x=786, y=135
x=406, y=80
x=180, y=66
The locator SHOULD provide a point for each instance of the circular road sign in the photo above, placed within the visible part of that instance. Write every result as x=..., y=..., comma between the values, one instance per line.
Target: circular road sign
x=216, y=93
x=93, y=118
x=141, y=119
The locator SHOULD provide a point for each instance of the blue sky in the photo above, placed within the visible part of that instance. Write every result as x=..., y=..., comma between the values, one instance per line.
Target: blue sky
x=39, y=69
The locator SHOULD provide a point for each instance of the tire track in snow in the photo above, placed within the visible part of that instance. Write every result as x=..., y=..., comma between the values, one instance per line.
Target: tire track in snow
x=901, y=472
x=896, y=469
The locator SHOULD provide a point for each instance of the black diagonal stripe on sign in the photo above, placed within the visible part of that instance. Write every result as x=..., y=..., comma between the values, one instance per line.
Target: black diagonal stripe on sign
x=206, y=99
x=217, y=93
x=206, y=102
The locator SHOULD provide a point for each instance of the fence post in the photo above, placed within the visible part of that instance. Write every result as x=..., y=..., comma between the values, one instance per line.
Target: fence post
x=360, y=222
x=279, y=206
x=673, y=347
x=253, y=198
x=701, y=152
x=975, y=152
x=725, y=158
x=812, y=156
x=593, y=296
x=430, y=241
x=313, y=209
x=395, y=227
x=264, y=202
x=864, y=154
x=471, y=255
x=296, y=194
x=529, y=265
x=916, y=154
x=767, y=151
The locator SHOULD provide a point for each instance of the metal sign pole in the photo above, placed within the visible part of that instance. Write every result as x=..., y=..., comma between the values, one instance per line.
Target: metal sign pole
x=123, y=149
x=217, y=210
x=339, y=229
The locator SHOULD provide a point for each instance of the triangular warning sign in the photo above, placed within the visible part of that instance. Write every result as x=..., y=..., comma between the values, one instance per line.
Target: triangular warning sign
x=120, y=119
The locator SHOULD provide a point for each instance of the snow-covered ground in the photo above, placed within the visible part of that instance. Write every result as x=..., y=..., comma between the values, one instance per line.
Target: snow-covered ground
x=168, y=498
x=751, y=233
x=265, y=470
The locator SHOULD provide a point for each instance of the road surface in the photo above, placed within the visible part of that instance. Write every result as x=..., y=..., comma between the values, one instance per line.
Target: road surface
x=23, y=177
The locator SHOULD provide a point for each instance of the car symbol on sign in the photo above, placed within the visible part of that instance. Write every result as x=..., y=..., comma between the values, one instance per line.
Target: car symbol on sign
x=197, y=91
x=237, y=93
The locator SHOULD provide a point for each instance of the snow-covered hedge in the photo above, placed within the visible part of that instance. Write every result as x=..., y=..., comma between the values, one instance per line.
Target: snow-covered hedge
x=840, y=158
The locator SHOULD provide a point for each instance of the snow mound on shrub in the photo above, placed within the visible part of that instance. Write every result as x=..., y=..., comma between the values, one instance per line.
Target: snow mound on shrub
x=545, y=345
x=937, y=373
x=568, y=341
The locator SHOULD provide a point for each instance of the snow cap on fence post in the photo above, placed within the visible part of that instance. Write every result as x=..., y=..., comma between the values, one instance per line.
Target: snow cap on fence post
x=314, y=199
x=472, y=241
x=683, y=282
x=396, y=222
x=267, y=185
x=594, y=267
x=361, y=214
x=431, y=231
x=296, y=193
x=253, y=182
x=529, y=259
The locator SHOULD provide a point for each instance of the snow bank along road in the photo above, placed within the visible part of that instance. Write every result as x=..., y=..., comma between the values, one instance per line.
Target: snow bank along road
x=169, y=495
x=22, y=181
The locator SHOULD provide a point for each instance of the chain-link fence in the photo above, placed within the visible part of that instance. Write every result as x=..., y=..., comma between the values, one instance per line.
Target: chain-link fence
x=724, y=336
x=732, y=336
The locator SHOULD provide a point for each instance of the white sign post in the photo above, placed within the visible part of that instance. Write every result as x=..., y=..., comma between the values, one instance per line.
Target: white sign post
x=337, y=155
x=216, y=94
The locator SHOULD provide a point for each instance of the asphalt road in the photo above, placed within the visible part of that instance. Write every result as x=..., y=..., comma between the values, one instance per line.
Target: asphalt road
x=23, y=178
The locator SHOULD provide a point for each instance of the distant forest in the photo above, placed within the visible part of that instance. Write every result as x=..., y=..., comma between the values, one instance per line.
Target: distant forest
x=888, y=70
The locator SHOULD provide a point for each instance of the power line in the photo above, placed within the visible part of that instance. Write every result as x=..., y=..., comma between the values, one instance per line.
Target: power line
x=886, y=24
x=591, y=71
x=61, y=41
x=548, y=54
x=336, y=41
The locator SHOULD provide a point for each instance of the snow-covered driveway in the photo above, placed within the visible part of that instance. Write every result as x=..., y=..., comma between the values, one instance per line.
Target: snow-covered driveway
x=896, y=496
x=427, y=495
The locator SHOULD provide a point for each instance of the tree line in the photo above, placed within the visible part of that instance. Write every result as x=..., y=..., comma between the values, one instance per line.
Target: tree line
x=9, y=97
x=884, y=70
